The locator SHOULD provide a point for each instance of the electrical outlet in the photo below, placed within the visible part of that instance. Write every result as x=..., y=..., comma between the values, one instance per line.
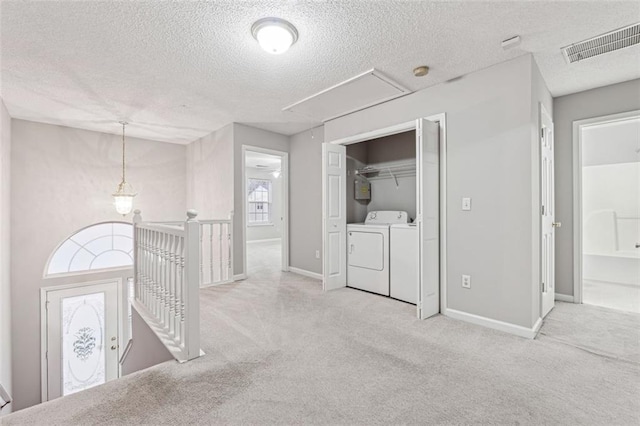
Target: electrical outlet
x=466, y=281
x=466, y=204
x=317, y=254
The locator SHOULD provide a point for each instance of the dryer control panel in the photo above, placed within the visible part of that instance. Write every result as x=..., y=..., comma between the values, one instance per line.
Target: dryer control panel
x=382, y=217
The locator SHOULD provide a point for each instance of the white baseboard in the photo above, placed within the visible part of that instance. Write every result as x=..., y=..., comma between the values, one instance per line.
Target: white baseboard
x=518, y=330
x=305, y=273
x=268, y=240
x=240, y=277
x=564, y=298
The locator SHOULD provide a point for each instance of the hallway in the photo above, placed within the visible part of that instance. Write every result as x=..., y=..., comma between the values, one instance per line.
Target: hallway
x=279, y=350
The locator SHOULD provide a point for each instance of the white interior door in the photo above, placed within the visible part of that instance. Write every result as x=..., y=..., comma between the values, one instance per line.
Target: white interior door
x=428, y=196
x=547, y=185
x=81, y=338
x=334, y=215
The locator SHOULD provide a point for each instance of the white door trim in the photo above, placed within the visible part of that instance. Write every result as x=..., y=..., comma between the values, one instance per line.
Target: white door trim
x=44, y=368
x=441, y=119
x=578, y=125
x=284, y=175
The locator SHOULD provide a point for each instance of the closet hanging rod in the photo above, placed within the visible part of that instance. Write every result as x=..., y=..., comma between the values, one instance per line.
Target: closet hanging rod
x=396, y=168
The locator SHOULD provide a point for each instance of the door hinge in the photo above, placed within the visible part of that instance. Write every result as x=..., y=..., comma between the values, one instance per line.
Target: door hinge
x=46, y=355
x=542, y=210
x=543, y=287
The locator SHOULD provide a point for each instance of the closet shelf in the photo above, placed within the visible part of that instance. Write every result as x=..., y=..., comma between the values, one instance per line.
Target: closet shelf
x=407, y=169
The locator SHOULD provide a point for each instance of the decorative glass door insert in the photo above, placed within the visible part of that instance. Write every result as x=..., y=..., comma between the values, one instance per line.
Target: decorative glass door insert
x=82, y=337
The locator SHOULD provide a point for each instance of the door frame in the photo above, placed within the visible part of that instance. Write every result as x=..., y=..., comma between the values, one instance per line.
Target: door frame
x=44, y=367
x=284, y=175
x=441, y=119
x=578, y=126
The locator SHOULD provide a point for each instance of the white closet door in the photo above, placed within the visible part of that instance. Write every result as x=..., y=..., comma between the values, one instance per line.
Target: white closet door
x=334, y=215
x=548, y=223
x=428, y=161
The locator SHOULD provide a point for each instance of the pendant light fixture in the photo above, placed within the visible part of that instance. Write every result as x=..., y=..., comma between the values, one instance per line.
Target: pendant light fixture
x=123, y=197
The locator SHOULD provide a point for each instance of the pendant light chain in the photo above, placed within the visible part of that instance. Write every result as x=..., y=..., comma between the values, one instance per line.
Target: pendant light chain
x=124, y=123
x=123, y=197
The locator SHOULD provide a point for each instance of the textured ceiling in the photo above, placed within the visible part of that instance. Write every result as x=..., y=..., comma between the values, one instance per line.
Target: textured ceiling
x=179, y=70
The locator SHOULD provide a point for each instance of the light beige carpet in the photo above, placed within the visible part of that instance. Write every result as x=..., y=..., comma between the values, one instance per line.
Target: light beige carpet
x=280, y=351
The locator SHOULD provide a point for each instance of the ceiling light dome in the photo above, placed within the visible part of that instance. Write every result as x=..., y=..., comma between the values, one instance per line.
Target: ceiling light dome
x=274, y=35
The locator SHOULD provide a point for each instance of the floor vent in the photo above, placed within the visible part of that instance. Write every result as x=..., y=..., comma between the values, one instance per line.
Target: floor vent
x=614, y=40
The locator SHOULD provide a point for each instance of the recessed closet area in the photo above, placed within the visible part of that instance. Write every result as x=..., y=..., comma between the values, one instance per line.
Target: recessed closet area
x=387, y=166
x=382, y=240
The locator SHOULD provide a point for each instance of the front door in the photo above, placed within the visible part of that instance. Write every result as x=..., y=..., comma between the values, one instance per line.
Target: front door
x=547, y=205
x=81, y=329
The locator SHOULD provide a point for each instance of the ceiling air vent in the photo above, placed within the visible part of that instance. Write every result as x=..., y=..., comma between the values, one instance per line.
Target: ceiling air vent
x=614, y=40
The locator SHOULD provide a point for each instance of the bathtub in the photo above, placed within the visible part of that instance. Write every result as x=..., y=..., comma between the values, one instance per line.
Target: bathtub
x=622, y=267
x=609, y=252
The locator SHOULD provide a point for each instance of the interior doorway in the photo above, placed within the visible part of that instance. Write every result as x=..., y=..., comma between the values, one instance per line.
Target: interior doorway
x=607, y=211
x=80, y=336
x=265, y=219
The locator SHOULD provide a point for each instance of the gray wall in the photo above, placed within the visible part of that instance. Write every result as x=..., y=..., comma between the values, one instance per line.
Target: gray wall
x=598, y=102
x=5, y=239
x=246, y=135
x=305, y=200
x=274, y=230
x=385, y=194
x=61, y=181
x=209, y=169
x=490, y=158
x=146, y=349
x=356, y=159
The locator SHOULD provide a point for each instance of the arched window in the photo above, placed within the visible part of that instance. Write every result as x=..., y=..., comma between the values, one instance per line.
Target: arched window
x=100, y=246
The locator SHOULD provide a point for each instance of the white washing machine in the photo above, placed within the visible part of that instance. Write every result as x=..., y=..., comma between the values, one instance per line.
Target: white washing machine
x=404, y=246
x=368, y=251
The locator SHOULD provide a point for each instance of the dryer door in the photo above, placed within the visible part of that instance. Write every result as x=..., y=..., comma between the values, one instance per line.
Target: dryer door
x=366, y=250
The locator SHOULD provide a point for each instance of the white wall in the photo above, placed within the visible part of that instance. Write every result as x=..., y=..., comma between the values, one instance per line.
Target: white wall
x=5, y=239
x=491, y=157
x=61, y=180
x=273, y=230
x=251, y=136
x=598, y=102
x=305, y=200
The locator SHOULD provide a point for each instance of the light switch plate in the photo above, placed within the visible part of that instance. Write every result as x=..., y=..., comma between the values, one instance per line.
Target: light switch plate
x=466, y=204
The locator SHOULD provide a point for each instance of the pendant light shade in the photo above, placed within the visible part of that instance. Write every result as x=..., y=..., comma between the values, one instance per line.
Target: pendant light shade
x=123, y=197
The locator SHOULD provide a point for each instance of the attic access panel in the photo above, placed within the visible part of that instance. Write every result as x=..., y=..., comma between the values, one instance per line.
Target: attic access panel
x=360, y=92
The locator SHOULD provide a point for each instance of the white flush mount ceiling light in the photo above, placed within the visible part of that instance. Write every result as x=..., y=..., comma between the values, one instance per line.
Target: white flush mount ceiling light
x=123, y=197
x=274, y=35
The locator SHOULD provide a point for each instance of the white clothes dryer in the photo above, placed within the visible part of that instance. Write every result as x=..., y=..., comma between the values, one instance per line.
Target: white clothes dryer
x=368, y=251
